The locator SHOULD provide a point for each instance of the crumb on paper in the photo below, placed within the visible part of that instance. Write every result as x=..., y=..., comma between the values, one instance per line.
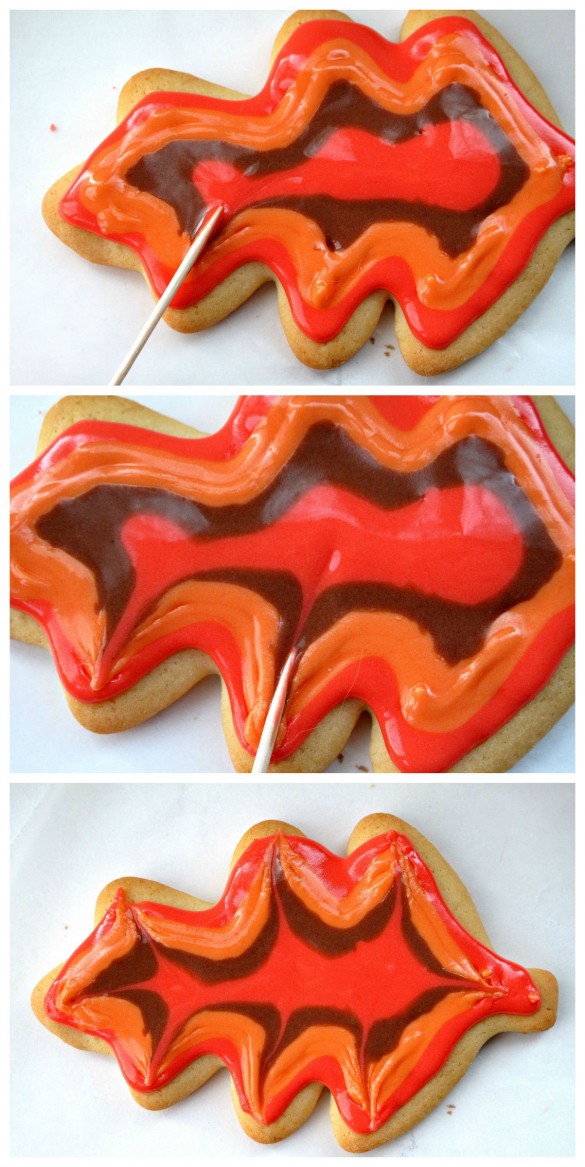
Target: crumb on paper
x=53, y=128
x=363, y=769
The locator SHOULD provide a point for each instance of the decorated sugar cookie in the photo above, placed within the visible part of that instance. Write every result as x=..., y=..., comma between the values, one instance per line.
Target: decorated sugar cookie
x=431, y=172
x=416, y=555
x=371, y=976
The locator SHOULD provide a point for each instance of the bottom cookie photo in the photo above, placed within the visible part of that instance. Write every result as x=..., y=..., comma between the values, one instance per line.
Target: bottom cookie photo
x=346, y=952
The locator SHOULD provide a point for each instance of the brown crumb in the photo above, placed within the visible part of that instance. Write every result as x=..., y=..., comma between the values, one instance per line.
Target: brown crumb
x=372, y=340
x=363, y=769
x=340, y=757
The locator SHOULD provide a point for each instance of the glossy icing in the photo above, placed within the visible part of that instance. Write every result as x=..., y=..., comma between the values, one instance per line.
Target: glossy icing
x=419, y=552
x=350, y=972
x=326, y=175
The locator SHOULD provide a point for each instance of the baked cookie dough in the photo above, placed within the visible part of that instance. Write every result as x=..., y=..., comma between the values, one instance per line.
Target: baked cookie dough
x=446, y=607
x=267, y=983
x=328, y=194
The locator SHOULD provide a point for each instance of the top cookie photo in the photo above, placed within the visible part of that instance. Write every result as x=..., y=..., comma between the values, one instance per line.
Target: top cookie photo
x=408, y=198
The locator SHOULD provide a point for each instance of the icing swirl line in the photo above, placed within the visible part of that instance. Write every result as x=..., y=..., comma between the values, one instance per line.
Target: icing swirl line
x=91, y=527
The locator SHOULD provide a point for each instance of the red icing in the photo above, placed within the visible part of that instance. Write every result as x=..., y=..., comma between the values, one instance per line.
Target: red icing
x=393, y=172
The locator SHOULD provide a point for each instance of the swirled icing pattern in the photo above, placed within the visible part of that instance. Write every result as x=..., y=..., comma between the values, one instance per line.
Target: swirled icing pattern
x=418, y=168
x=418, y=552
x=351, y=972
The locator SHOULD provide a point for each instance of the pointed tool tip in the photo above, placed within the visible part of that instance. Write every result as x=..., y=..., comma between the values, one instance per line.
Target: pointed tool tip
x=274, y=716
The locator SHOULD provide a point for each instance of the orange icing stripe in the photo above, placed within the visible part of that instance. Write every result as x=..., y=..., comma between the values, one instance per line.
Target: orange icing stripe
x=218, y=941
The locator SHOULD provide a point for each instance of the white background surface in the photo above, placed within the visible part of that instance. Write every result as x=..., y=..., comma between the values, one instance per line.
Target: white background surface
x=72, y=321
x=511, y=844
x=187, y=737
